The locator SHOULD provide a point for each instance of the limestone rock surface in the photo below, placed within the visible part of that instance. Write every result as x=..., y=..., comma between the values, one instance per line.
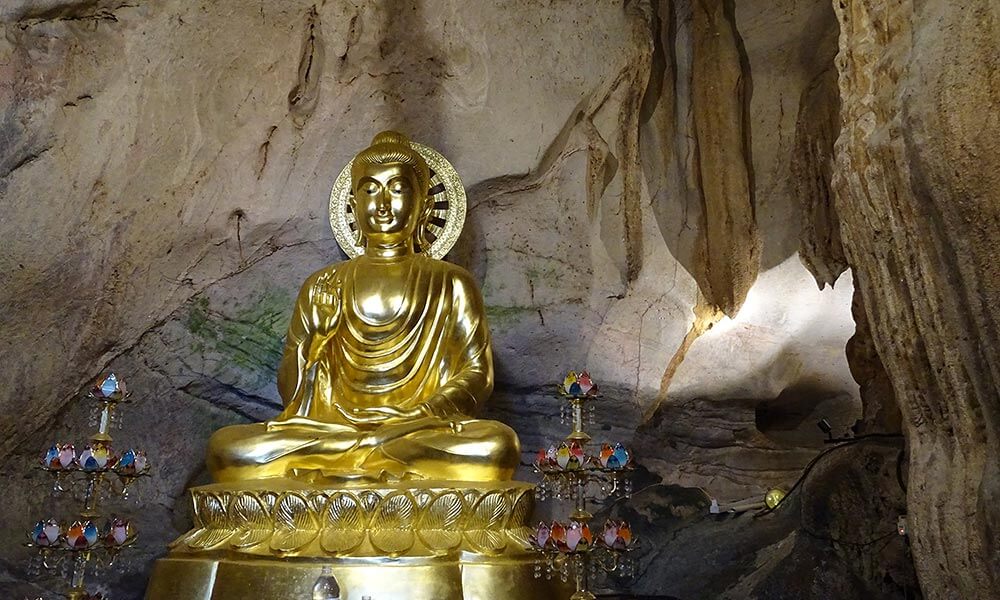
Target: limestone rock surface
x=917, y=180
x=165, y=175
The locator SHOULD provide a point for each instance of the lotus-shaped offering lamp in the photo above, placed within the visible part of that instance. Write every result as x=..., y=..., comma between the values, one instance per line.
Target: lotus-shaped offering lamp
x=578, y=537
x=617, y=535
x=118, y=532
x=81, y=535
x=96, y=457
x=562, y=456
x=51, y=459
x=557, y=536
x=606, y=453
x=578, y=385
x=571, y=386
x=67, y=456
x=132, y=463
x=540, y=539
x=46, y=533
x=587, y=387
x=109, y=389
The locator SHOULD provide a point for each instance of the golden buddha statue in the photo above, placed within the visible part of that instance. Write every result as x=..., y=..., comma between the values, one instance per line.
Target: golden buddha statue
x=376, y=473
x=387, y=357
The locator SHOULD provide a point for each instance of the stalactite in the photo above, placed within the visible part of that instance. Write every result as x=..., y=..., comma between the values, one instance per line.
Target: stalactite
x=720, y=90
x=816, y=130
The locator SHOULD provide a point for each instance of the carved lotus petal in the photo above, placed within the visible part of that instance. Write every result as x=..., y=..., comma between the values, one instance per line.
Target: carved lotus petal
x=317, y=503
x=213, y=520
x=440, y=541
x=444, y=512
x=370, y=500
x=490, y=512
x=423, y=498
x=487, y=541
x=212, y=511
x=396, y=511
x=344, y=511
x=269, y=499
x=520, y=536
x=251, y=521
x=295, y=524
x=344, y=528
x=484, y=527
x=392, y=524
x=439, y=526
x=524, y=504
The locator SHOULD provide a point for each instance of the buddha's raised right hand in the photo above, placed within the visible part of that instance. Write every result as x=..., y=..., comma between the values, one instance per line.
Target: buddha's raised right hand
x=325, y=306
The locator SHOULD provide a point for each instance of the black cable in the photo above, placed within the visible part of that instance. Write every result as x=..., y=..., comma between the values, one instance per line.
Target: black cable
x=827, y=538
x=818, y=457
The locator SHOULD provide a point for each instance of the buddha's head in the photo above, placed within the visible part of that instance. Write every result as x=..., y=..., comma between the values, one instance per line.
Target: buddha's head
x=389, y=183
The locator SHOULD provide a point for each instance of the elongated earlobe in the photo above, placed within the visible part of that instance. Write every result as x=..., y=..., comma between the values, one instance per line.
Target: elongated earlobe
x=359, y=238
x=423, y=229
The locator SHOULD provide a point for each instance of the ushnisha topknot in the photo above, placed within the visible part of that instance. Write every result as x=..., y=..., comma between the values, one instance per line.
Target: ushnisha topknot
x=393, y=147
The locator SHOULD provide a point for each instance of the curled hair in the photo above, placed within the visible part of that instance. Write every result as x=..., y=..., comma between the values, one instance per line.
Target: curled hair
x=392, y=147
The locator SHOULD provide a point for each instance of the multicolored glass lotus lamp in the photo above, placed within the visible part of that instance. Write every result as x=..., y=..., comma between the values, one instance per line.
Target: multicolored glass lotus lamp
x=94, y=469
x=571, y=549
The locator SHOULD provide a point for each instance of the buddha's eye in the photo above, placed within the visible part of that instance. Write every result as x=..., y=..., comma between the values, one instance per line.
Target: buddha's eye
x=370, y=188
x=400, y=186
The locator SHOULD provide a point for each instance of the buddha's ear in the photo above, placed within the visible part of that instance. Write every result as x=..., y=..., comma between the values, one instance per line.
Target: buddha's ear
x=359, y=239
x=428, y=208
x=422, y=225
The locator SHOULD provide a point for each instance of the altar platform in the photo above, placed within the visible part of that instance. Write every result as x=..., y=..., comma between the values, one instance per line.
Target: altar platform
x=406, y=541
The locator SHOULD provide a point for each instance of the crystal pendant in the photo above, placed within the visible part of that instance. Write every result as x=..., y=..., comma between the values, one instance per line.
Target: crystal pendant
x=35, y=565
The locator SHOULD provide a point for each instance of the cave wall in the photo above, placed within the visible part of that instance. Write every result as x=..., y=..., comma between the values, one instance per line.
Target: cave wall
x=916, y=182
x=635, y=206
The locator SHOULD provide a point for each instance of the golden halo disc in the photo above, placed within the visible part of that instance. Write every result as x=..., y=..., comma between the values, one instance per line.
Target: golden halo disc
x=446, y=219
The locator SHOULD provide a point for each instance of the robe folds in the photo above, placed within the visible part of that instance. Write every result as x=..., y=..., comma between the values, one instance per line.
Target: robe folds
x=426, y=360
x=434, y=352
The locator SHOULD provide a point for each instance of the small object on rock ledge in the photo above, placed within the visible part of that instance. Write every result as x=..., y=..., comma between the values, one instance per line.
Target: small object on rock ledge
x=774, y=497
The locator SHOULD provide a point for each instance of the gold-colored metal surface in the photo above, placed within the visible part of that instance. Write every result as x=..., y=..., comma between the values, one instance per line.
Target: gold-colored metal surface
x=387, y=357
x=397, y=541
x=223, y=576
x=287, y=517
x=446, y=192
x=376, y=469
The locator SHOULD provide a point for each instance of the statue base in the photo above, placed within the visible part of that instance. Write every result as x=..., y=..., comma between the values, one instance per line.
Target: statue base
x=225, y=578
x=410, y=540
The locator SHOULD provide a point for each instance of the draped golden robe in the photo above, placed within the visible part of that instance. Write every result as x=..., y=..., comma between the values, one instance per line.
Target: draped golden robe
x=430, y=359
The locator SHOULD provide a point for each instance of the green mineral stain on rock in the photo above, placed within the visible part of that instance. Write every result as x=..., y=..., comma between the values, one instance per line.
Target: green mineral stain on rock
x=504, y=316
x=544, y=275
x=250, y=337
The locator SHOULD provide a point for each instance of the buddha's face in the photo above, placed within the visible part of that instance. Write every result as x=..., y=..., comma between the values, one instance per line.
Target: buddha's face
x=387, y=203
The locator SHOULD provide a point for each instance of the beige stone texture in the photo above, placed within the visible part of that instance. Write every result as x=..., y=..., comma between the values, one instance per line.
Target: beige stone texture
x=917, y=181
x=164, y=149
x=649, y=197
